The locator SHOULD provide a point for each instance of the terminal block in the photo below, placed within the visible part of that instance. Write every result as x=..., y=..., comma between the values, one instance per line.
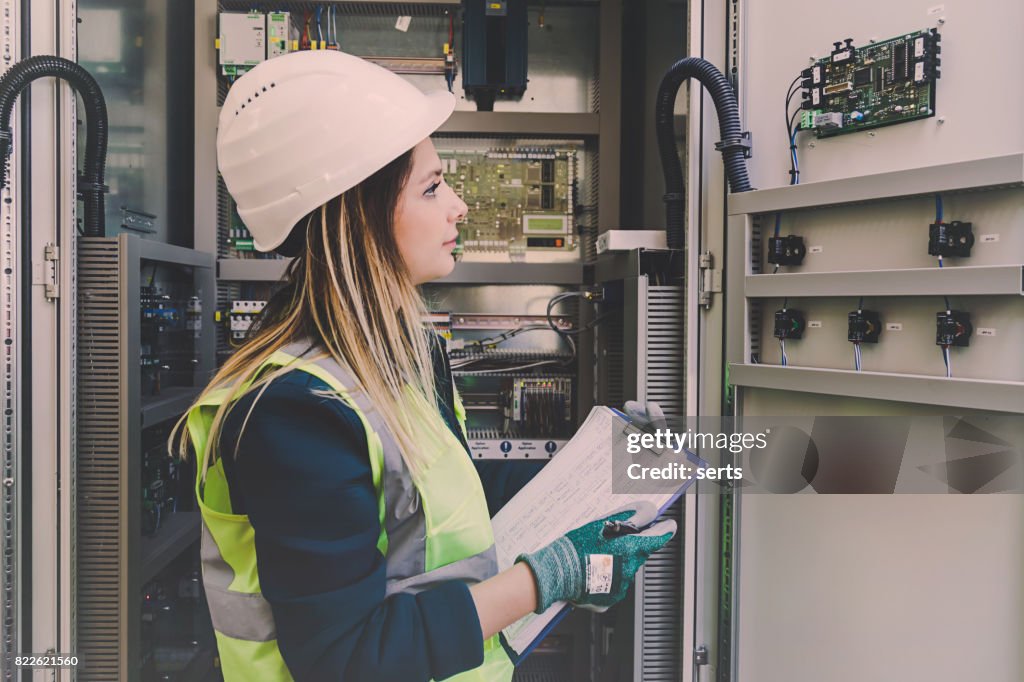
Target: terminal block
x=953, y=239
x=953, y=328
x=788, y=250
x=865, y=326
x=789, y=324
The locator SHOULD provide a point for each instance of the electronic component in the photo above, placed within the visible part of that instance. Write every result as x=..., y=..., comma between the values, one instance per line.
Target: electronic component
x=864, y=326
x=953, y=328
x=953, y=239
x=789, y=324
x=830, y=119
x=494, y=51
x=242, y=43
x=242, y=316
x=520, y=200
x=279, y=33
x=788, y=250
x=627, y=240
x=878, y=84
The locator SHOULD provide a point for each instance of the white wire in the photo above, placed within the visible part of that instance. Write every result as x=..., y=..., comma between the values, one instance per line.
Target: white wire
x=856, y=356
x=516, y=369
x=948, y=360
x=782, y=347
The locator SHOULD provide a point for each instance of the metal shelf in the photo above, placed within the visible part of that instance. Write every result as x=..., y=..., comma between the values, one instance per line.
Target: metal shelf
x=979, y=280
x=525, y=124
x=272, y=270
x=252, y=269
x=988, y=173
x=171, y=403
x=179, y=532
x=977, y=394
x=169, y=253
x=514, y=273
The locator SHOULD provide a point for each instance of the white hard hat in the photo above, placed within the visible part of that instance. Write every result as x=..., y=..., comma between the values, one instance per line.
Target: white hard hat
x=300, y=129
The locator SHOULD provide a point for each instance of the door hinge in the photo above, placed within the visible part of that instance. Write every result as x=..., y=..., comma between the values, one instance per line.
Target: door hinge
x=51, y=258
x=700, y=656
x=710, y=279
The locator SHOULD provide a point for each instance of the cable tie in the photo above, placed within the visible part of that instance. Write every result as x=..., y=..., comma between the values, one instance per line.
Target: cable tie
x=86, y=186
x=743, y=143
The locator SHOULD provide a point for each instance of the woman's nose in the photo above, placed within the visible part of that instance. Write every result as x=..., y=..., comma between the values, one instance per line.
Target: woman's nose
x=461, y=207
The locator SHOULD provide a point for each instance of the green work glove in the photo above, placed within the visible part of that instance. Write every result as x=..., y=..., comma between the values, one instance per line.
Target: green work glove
x=591, y=569
x=645, y=415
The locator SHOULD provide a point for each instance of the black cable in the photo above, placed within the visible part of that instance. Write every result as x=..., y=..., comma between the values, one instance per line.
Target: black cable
x=732, y=147
x=90, y=183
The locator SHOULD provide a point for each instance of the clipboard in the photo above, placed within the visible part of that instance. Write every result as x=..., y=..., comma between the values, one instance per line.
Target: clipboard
x=574, y=488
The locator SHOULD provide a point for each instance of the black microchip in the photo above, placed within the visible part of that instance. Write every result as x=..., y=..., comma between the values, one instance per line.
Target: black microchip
x=899, y=63
x=862, y=77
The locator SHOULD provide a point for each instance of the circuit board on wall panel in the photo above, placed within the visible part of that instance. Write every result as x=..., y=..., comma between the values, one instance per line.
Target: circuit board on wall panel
x=879, y=84
x=521, y=200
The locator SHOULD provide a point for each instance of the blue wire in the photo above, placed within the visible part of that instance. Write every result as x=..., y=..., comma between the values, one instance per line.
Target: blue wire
x=938, y=208
x=778, y=223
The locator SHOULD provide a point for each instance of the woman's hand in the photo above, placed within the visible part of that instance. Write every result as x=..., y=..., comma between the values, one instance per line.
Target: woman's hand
x=594, y=564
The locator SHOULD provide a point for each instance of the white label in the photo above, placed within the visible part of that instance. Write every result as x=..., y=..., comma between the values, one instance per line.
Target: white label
x=989, y=238
x=599, y=573
x=816, y=75
x=403, y=24
x=814, y=324
x=938, y=9
x=840, y=56
x=986, y=331
x=815, y=97
x=894, y=326
x=815, y=249
x=919, y=47
x=919, y=71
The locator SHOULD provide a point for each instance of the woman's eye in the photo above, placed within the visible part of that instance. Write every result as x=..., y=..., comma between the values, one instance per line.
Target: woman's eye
x=432, y=188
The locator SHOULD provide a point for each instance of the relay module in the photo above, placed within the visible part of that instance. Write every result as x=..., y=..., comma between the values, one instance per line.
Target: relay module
x=879, y=84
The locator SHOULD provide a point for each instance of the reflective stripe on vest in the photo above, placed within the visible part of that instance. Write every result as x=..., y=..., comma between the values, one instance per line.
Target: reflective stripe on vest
x=428, y=534
x=404, y=520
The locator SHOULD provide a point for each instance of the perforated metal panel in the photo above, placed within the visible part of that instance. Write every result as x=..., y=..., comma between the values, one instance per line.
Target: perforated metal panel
x=666, y=348
x=101, y=484
x=659, y=616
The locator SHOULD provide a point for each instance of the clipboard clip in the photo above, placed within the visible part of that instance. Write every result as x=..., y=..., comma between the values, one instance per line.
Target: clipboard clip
x=616, y=528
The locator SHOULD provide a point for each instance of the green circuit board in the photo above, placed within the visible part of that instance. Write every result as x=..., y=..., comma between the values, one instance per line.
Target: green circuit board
x=878, y=84
x=520, y=199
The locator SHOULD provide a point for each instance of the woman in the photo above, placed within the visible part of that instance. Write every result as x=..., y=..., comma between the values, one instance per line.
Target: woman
x=346, y=533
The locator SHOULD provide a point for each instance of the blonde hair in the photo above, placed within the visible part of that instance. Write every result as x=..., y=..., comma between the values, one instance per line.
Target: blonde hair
x=350, y=294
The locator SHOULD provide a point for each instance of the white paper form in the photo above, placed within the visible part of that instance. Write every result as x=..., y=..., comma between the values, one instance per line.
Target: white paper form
x=574, y=488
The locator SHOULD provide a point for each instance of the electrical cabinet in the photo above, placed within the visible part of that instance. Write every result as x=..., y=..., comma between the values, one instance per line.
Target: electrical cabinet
x=145, y=350
x=882, y=217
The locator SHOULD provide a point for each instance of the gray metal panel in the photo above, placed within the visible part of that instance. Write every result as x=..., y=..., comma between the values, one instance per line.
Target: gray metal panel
x=102, y=435
x=661, y=328
x=514, y=273
x=513, y=123
x=251, y=270
x=961, y=281
x=781, y=35
x=990, y=172
x=998, y=396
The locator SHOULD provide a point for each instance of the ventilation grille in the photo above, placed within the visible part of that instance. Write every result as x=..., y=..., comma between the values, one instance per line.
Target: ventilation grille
x=99, y=492
x=666, y=348
x=660, y=621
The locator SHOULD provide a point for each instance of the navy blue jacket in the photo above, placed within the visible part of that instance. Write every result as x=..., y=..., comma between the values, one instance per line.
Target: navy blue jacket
x=303, y=477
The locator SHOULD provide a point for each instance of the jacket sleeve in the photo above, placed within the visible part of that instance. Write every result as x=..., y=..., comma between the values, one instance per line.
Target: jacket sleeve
x=305, y=481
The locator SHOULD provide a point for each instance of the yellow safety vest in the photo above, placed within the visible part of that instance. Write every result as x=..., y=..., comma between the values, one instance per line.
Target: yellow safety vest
x=433, y=529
